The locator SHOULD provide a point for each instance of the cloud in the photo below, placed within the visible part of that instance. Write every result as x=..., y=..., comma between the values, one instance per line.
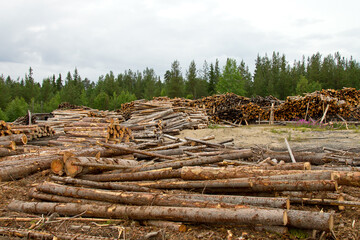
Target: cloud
x=99, y=36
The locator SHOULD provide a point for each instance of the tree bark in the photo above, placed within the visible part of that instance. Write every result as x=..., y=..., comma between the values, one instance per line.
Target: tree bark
x=316, y=159
x=136, y=176
x=135, y=198
x=104, y=185
x=198, y=215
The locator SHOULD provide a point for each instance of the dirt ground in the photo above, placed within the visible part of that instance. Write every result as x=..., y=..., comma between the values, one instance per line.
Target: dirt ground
x=347, y=223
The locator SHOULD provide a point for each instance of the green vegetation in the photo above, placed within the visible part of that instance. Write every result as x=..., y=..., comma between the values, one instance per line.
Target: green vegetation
x=272, y=76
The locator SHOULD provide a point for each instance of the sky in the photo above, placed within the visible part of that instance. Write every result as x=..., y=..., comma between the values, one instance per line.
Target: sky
x=99, y=36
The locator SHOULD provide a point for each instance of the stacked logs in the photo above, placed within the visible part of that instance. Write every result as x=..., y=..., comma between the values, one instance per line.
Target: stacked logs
x=5, y=128
x=191, y=180
x=34, y=131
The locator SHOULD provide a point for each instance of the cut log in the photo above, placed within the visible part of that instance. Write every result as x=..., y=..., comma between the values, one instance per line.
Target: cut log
x=132, y=150
x=205, y=173
x=76, y=165
x=245, y=153
x=104, y=185
x=15, y=172
x=136, y=176
x=8, y=144
x=311, y=220
x=272, y=202
x=248, y=185
x=135, y=198
x=313, y=158
x=199, y=215
x=348, y=178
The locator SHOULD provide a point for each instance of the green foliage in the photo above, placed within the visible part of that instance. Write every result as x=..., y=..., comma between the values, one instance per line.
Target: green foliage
x=174, y=81
x=231, y=79
x=303, y=86
x=16, y=108
x=102, y=101
x=3, y=115
x=123, y=97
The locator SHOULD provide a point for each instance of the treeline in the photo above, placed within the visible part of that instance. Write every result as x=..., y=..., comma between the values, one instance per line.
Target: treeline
x=272, y=76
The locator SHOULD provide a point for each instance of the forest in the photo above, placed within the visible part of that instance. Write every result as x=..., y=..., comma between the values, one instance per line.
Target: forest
x=272, y=76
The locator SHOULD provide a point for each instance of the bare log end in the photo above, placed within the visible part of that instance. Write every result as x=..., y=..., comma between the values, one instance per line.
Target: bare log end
x=57, y=166
x=307, y=166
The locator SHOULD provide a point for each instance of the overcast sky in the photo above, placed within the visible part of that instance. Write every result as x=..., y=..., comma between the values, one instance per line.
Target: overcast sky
x=97, y=36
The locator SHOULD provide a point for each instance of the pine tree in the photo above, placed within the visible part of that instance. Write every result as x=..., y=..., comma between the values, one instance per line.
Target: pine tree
x=231, y=79
x=175, y=82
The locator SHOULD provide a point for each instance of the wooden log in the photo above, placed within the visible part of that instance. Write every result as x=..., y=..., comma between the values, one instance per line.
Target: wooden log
x=104, y=185
x=132, y=150
x=33, y=193
x=19, y=139
x=135, y=198
x=348, y=178
x=199, y=215
x=203, y=173
x=214, y=145
x=76, y=165
x=311, y=220
x=272, y=202
x=20, y=171
x=329, y=202
x=246, y=185
x=245, y=153
x=137, y=176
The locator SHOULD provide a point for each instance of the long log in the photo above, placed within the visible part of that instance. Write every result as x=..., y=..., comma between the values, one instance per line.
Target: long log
x=245, y=153
x=272, y=202
x=135, y=198
x=104, y=185
x=204, y=173
x=8, y=144
x=348, y=178
x=137, y=176
x=132, y=150
x=248, y=185
x=76, y=165
x=213, y=145
x=199, y=215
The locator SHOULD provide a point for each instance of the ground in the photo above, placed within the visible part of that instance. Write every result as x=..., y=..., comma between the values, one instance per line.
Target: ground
x=347, y=223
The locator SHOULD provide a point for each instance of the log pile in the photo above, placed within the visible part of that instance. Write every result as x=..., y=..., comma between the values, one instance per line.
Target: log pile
x=184, y=178
x=5, y=128
x=34, y=131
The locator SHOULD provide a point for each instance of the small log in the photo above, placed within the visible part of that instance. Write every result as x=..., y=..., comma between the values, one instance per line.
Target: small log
x=348, y=178
x=104, y=185
x=313, y=158
x=214, y=145
x=8, y=144
x=199, y=215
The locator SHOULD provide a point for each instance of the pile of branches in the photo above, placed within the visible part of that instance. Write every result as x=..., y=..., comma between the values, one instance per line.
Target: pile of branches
x=24, y=120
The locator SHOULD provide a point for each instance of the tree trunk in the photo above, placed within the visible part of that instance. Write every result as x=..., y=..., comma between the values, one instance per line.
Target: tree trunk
x=105, y=185
x=136, y=176
x=19, y=171
x=198, y=215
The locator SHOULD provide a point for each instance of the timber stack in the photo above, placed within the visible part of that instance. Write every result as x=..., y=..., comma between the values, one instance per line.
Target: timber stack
x=196, y=180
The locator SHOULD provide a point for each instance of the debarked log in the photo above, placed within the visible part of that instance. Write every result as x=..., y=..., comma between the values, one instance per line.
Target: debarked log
x=311, y=220
x=199, y=215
